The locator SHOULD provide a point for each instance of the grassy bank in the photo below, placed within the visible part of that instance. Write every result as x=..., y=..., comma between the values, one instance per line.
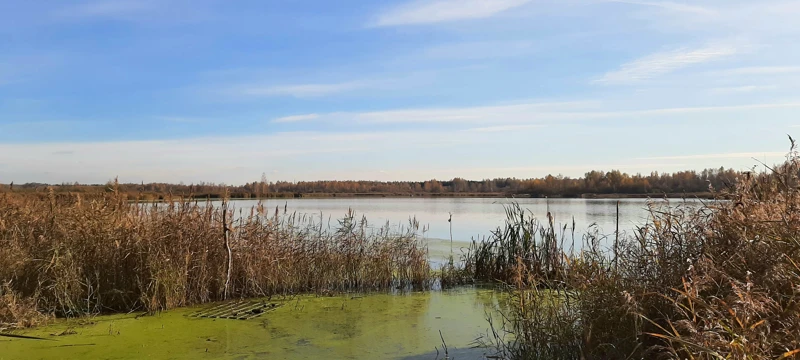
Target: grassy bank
x=716, y=282
x=66, y=256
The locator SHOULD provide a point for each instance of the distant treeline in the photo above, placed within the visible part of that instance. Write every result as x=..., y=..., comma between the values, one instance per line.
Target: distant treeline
x=593, y=183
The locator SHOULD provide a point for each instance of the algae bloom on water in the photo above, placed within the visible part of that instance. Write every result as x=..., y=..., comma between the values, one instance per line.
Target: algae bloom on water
x=376, y=326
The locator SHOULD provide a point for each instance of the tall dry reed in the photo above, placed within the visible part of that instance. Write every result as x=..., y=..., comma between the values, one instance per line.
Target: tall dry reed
x=715, y=281
x=73, y=256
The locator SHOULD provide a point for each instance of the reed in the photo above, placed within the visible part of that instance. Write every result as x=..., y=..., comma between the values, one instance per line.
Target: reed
x=521, y=241
x=16, y=312
x=70, y=256
x=716, y=281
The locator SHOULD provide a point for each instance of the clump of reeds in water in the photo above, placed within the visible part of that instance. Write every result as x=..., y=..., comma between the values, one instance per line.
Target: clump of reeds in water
x=715, y=281
x=521, y=243
x=73, y=256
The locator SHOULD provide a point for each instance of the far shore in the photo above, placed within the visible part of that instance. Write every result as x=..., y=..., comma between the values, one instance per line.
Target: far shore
x=707, y=195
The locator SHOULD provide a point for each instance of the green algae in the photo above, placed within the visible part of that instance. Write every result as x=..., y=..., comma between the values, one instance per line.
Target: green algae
x=375, y=326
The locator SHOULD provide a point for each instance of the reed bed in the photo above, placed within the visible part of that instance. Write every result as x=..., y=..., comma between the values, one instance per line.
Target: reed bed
x=68, y=256
x=522, y=242
x=716, y=281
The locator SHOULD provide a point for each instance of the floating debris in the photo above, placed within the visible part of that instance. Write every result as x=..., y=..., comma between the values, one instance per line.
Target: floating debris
x=23, y=337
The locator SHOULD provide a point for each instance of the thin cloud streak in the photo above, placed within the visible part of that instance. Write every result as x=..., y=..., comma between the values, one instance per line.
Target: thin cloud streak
x=479, y=50
x=658, y=64
x=295, y=118
x=553, y=170
x=671, y=6
x=743, y=89
x=183, y=119
x=439, y=11
x=504, y=128
x=299, y=91
x=748, y=155
x=529, y=114
x=761, y=70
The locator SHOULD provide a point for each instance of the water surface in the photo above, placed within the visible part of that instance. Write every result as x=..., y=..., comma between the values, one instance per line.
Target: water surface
x=473, y=218
x=377, y=326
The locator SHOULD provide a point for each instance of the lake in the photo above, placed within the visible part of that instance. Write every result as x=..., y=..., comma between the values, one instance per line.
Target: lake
x=473, y=218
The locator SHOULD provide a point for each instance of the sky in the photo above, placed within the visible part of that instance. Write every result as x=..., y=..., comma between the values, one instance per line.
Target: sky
x=225, y=91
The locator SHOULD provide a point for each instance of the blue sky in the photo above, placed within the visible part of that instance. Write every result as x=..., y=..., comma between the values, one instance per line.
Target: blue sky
x=223, y=91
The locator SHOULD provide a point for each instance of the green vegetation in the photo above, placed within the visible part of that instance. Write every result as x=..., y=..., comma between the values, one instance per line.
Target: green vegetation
x=378, y=326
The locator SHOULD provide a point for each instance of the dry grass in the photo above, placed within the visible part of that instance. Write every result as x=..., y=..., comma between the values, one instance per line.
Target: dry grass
x=738, y=295
x=72, y=257
x=718, y=281
x=16, y=312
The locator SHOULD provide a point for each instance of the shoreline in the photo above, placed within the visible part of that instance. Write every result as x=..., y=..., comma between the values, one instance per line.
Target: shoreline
x=706, y=195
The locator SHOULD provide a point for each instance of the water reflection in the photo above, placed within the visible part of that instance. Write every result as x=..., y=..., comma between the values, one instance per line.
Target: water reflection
x=472, y=217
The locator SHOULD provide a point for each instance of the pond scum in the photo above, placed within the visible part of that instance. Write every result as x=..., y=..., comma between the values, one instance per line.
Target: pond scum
x=718, y=281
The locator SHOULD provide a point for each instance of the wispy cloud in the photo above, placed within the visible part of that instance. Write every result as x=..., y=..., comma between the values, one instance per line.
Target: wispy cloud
x=504, y=128
x=481, y=114
x=523, y=115
x=560, y=169
x=438, y=11
x=748, y=155
x=295, y=118
x=743, y=89
x=182, y=119
x=761, y=70
x=671, y=6
x=662, y=63
x=298, y=90
x=480, y=50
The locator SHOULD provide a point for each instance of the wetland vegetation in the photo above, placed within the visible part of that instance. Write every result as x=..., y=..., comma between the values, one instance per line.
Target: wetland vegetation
x=715, y=281
x=719, y=281
x=69, y=256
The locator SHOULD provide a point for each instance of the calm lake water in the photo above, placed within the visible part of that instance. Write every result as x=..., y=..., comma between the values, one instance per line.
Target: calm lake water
x=473, y=218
